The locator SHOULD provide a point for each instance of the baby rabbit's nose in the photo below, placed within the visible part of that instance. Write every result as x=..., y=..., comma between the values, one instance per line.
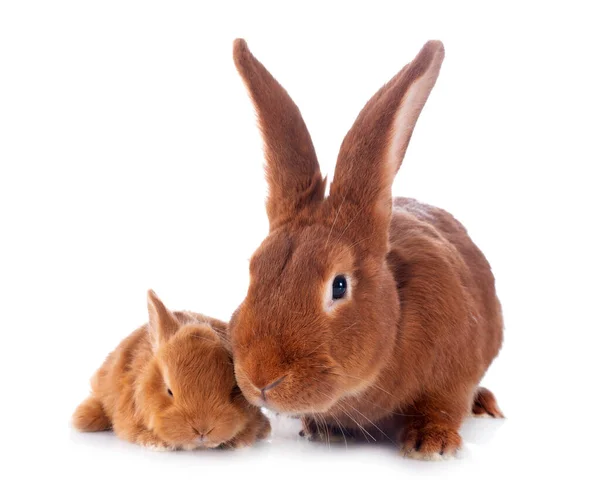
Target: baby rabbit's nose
x=202, y=434
x=263, y=391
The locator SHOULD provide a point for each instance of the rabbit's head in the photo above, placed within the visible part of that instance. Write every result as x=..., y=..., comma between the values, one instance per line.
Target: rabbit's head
x=320, y=318
x=187, y=392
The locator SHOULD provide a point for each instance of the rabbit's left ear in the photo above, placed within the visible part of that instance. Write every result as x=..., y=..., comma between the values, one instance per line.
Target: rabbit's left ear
x=162, y=323
x=292, y=169
x=373, y=149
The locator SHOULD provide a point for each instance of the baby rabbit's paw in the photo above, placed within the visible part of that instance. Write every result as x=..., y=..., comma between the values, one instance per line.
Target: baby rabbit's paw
x=244, y=439
x=241, y=442
x=149, y=440
x=258, y=428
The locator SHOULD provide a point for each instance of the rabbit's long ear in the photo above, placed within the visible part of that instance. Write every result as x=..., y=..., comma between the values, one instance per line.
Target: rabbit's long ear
x=162, y=323
x=292, y=168
x=373, y=149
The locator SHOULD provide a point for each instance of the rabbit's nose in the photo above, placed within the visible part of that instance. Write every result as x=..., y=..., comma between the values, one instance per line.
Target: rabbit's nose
x=202, y=435
x=263, y=391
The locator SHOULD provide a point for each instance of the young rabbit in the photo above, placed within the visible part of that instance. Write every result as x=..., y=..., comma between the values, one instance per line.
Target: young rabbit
x=170, y=385
x=376, y=315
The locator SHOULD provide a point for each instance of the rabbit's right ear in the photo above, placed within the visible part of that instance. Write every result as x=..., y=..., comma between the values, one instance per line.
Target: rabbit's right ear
x=292, y=168
x=162, y=323
x=373, y=149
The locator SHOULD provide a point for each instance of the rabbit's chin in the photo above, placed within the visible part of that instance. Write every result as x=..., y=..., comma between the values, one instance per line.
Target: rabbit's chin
x=294, y=410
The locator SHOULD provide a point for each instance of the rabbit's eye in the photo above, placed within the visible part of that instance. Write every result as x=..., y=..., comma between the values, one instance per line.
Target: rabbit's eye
x=170, y=392
x=339, y=287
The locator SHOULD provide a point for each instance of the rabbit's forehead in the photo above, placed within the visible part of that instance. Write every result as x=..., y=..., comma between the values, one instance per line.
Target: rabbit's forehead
x=307, y=250
x=296, y=269
x=197, y=366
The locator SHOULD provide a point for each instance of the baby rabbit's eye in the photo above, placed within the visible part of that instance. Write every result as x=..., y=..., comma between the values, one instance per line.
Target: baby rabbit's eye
x=170, y=392
x=339, y=287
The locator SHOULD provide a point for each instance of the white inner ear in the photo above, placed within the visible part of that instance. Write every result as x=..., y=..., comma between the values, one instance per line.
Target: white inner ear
x=408, y=113
x=154, y=339
x=330, y=304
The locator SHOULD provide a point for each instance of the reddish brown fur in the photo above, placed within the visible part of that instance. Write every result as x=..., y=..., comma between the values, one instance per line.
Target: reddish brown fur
x=190, y=352
x=485, y=405
x=406, y=350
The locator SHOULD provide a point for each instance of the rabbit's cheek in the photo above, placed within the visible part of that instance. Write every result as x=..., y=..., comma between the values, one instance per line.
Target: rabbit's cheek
x=250, y=392
x=174, y=428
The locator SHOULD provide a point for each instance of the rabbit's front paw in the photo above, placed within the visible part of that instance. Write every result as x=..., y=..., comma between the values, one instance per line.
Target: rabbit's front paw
x=430, y=441
x=149, y=440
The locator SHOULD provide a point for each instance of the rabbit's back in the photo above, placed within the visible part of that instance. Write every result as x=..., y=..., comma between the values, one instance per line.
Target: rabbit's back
x=444, y=281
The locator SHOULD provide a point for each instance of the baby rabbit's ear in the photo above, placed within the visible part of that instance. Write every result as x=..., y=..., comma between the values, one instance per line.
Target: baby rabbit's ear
x=292, y=168
x=373, y=149
x=162, y=323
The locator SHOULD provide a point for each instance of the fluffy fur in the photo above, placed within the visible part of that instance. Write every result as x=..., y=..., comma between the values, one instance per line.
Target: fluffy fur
x=403, y=353
x=170, y=385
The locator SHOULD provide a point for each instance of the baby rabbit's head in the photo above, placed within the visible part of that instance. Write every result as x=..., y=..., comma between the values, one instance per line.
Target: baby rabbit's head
x=188, y=392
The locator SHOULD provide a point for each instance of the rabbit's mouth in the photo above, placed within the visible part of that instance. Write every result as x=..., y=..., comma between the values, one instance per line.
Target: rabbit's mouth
x=298, y=391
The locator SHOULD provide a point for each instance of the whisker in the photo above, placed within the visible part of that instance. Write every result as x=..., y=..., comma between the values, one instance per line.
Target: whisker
x=349, y=223
x=330, y=371
x=326, y=431
x=337, y=421
x=372, y=423
x=335, y=219
x=351, y=418
x=359, y=241
x=358, y=378
x=375, y=386
x=314, y=419
x=363, y=430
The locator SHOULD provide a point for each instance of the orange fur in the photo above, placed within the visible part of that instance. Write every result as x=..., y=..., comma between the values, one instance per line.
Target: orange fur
x=90, y=416
x=404, y=351
x=189, y=354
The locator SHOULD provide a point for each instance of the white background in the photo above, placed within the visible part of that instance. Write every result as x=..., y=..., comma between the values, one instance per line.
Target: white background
x=130, y=159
